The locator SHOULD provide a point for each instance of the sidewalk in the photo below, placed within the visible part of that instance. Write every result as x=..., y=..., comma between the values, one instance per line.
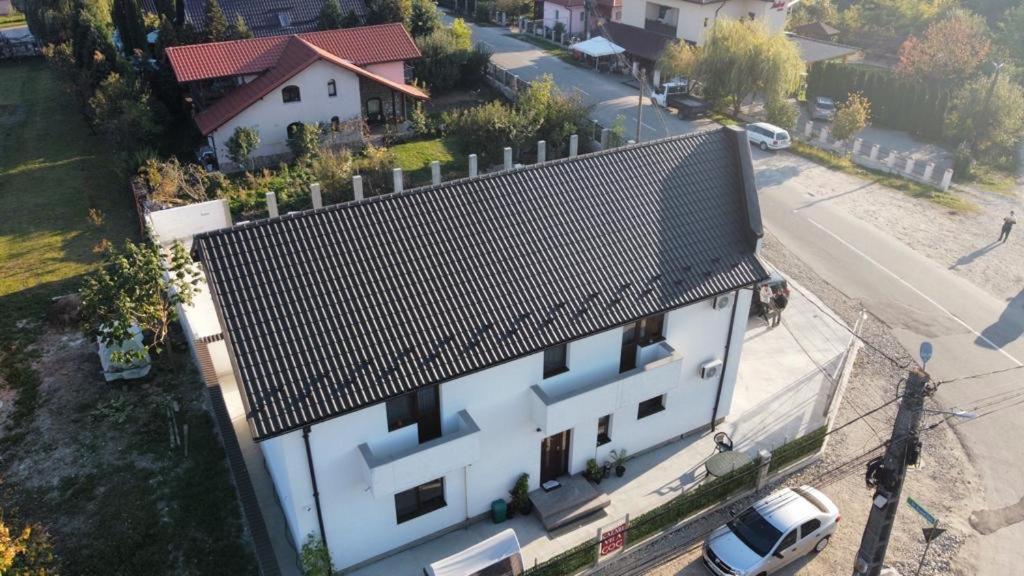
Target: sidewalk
x=785, y=377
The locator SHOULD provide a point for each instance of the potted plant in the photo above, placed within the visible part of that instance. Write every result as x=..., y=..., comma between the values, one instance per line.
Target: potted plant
x=594, y=472
x=617, y=458
x=520, y=495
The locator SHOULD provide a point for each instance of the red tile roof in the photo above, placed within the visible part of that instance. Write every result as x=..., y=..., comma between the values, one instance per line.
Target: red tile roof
x=361, y=46
x=296, y=55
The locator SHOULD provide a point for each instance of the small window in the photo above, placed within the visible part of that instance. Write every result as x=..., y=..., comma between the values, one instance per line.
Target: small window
x=555, y=360
x=649, y=407
x=420, y=500
x=786, y=542
x=604, y=424
x=401, y=411
x=335, y=124
x=652, y=329
x=809, y=527
x=291, y=94
x=332, y=88
x=284, y=19
x=556, y=14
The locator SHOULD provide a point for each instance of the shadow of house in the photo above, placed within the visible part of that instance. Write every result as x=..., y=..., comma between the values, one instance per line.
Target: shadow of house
x=1007, y=328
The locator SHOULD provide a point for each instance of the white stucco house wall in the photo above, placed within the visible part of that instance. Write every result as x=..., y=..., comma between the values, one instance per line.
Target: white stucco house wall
x=690, y=20
x=334, y=78
x=404, y=358
x=571, y=13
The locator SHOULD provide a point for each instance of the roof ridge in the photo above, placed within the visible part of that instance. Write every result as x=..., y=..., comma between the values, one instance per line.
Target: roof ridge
x=480, y=177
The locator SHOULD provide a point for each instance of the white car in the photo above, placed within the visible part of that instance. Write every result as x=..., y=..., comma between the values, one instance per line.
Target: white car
x=775, y=531
x=767, y=136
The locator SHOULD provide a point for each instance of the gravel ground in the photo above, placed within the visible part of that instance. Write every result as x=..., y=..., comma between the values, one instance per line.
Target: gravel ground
x=945, y=482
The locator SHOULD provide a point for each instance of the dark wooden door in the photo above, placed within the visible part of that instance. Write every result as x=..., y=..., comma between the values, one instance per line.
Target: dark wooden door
x=554, y=456
x=429, y=413
x=627, y=359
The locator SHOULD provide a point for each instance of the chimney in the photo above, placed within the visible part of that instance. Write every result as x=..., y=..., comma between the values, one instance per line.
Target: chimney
x=542, y=151
x=435, y=172
x=574, y=145
x=314, y=193
x=472, y=165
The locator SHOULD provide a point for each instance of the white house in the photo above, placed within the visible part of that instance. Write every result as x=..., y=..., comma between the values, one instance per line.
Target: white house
x=690, y=20
x=275, y=84
x=404, y=358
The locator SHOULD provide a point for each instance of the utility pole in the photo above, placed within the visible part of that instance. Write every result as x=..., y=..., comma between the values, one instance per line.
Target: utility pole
x=640, y=103
x=901, y=450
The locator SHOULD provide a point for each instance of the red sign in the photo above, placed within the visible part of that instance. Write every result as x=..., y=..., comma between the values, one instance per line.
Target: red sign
x=779, y=5
x=613, y=539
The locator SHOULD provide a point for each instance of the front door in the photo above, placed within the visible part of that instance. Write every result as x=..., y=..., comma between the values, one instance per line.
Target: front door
x=374, y=110
x=554, y=456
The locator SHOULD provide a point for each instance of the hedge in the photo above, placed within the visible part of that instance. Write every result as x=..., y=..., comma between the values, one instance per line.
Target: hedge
x=792, y=451
x=913, y=106
x=568, y=562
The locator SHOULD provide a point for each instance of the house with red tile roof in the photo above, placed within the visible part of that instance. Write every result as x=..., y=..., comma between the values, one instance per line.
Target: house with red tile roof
x=337, y=78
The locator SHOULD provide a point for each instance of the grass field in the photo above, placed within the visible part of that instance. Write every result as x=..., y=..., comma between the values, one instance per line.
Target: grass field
x=414, y=159
x=53, y=171
x=15, y=18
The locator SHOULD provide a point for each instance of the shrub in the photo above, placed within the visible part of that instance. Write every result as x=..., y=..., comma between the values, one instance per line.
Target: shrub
x=304, y=141
x=122, y=111
x=316, y=559
x=174, y=183
x=781, y=112
x=333, y=170
x=988, y=113
x=376, y=169
x=449, y=60
x=482, y=11
x=852, y=115
x=242, y=143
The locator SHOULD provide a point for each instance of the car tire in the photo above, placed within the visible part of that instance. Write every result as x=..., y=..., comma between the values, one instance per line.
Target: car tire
x=764, y=146
x=821, y=545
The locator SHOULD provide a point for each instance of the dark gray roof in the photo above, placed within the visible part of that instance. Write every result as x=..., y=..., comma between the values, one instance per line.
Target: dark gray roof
x=262, y=15
x=813, y=50
x=332, y=310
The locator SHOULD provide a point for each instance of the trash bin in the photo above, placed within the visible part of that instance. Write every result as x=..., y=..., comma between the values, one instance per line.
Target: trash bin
x=499, y=511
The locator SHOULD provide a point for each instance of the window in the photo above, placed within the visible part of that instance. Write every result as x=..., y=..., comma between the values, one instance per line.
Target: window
x=809, y=527
x=554, y=360
x=422, y=407
x=401, y=411
x=788, y=541
x=291, y=94
x=649, y=407
x=627, y=355
x=603, y=426
x=332, y=88
x=556, y=14
x=651, y=329
x=420, y=500
x=284, y=19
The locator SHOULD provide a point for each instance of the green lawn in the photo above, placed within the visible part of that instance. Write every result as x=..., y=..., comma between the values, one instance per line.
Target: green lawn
x=414, y=159
x=52, y=172
x=15, y=18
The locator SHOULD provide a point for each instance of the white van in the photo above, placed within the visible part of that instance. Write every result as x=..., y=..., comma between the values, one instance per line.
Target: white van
x=767, y=136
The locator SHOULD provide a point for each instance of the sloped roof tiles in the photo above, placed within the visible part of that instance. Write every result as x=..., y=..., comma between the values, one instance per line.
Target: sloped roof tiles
x=332, y=310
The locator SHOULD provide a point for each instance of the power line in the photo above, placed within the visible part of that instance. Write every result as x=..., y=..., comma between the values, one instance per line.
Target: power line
x=979, y=375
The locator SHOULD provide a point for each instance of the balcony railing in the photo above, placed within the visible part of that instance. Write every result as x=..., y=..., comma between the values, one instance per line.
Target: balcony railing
x=660, y=27
x=660, y=370
x=391, y=471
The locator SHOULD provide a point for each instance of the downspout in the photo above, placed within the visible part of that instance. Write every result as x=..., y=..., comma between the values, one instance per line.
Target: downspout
x=725, y=360
x=312, y=477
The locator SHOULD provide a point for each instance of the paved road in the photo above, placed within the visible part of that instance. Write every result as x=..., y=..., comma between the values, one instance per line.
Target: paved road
x=972, y=331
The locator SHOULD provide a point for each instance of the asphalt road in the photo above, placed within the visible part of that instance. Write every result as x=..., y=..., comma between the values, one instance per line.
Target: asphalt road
x=972, y=331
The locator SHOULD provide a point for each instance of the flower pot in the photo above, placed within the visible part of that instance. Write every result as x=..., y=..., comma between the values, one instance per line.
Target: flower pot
x=526, y=508
x=620, y=470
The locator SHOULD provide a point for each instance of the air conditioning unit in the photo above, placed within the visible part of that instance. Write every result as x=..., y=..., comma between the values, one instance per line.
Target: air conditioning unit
x=711, y=369
x=722, y=302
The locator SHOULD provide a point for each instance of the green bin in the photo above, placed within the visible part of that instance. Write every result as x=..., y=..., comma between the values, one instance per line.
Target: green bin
x=499, y=511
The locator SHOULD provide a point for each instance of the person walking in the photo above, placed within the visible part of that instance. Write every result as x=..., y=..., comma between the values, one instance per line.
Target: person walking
x=1008, y=223
x=779, y=302
x=764, y=296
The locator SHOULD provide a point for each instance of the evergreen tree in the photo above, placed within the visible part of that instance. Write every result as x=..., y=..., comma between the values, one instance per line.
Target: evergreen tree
x=239, y=29
x=351, y=20
x=127, y=18
x=384, y=11
x=330, y=16
x=165, y=8
x=424, y=18
x=216, y=23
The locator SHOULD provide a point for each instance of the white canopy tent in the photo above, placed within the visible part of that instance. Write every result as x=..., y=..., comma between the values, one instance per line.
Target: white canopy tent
x=502, y=547
x=597, y=47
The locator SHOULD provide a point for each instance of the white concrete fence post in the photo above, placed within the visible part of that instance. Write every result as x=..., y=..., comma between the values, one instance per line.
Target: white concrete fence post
x=929, y=169
x=636, y=69
x=823, y=135
x=874, y=152
x=508, y=158
x=856, y=146
x=472, y=165
x=657, y=77
x=606, y=138
x=314, y=193
x=908, y=167
x=357, y=187
x=764, y=461
x=808, y=130
x=574, y=145
x=890, y=160
x=272, y=204
x=947, y=179
x=435, y=172
x=397, y=174
x=542, y=151
x=630, y=142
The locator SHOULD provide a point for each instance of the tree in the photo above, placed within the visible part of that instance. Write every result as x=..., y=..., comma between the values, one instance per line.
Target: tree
x=127, y=17
x=351, y=20
x=304, y=142
x=1008, y=34
x=550, y=114
x=810, y=11
x=741, y=59
x=989, y=114
x=950, y=49
x=122, y=111
x=462, y=34
x=885, y=23
x=130, y=289
x=852, y=115
x=216, y=23
x=330, y=16
x=424, y=18
x=239, y=29
x=781, y=112
x=449, y=59
x=28, y=554
x=242, y=143
x=679, y=60
x=514, y=8
x=384, y=11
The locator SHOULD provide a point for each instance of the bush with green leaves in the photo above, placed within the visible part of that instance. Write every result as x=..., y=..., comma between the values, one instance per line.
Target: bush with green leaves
x=449, y=60
x=424, y=18
x=852, y=116
x=304, y=141
x=242, y=143
x=123, y=112
x=781, y=112
x=482, y=11
x=315, y=558
x=330, y=16
x=988, y=113
x=333, y=170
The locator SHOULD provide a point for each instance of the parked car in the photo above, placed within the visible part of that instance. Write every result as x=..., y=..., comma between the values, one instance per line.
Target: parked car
x=664, y=94
x=776, y=530
x=776, y=282
x=767, y=136
x=822, y=108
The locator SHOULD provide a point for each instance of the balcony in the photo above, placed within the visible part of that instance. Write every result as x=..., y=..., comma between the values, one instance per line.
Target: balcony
x=660, y=370
x=390, y=472
x=660, y=27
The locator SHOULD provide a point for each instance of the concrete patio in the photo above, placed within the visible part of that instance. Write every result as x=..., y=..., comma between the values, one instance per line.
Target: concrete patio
x=786, y=377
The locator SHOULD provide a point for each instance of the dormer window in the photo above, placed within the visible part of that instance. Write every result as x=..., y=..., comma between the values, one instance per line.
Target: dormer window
x=291, y=94
x=332, y=88
x=285, y=19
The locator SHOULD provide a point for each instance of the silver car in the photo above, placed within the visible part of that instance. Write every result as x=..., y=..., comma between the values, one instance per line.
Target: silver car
x=822, y=108
x=775, y=531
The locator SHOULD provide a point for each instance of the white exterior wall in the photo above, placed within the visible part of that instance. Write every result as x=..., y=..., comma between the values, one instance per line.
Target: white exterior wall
x=361, y=524
x=691, y=16
x=569, y=17
x=271, y=115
